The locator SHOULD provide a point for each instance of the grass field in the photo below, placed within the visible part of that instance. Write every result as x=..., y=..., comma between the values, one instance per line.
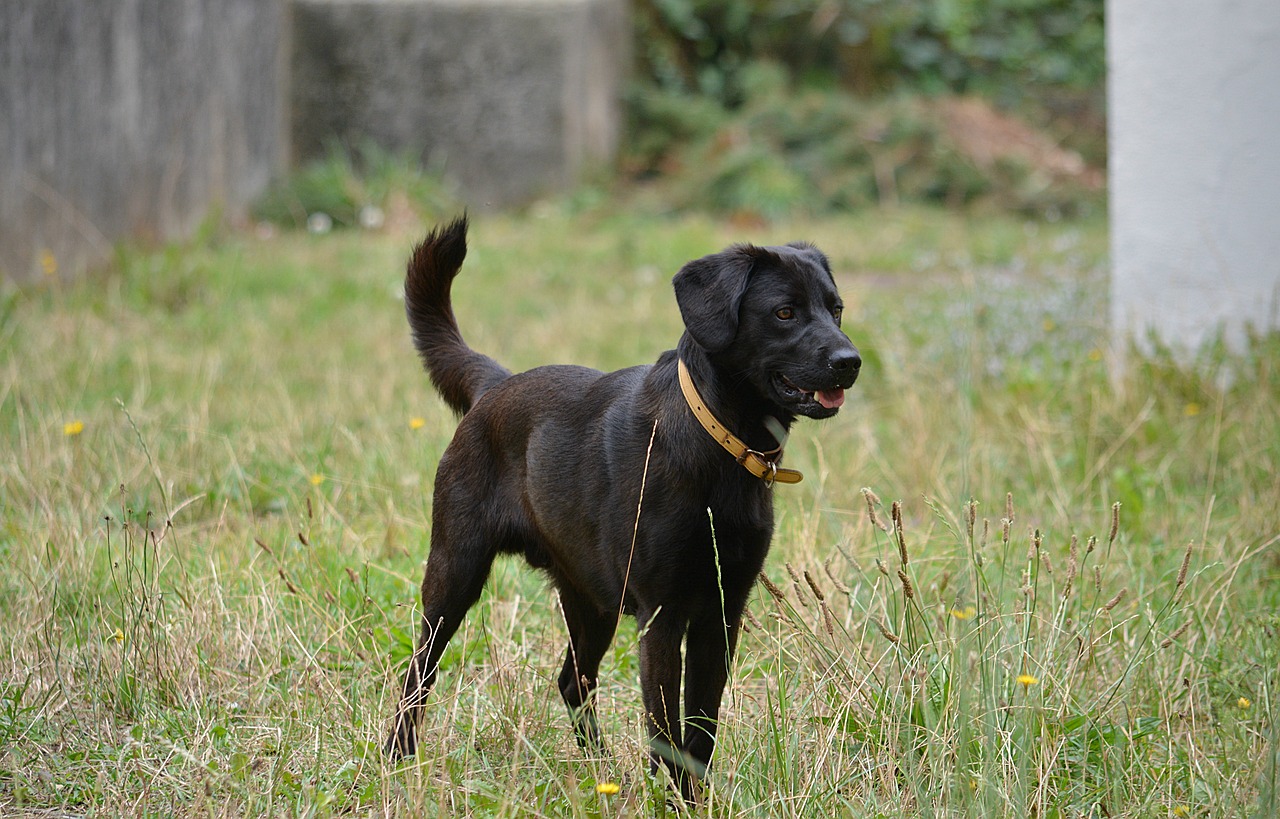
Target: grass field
x=215, y=482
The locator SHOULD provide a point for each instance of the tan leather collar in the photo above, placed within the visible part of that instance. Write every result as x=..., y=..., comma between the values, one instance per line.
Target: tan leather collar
x=763, y=465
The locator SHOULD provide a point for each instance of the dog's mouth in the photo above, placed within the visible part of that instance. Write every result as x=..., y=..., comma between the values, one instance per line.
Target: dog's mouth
x=814, y=403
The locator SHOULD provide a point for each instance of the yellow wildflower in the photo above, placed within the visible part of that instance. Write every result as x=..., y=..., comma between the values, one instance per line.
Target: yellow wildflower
x=1191, y=410
x=1182, y=810
x=1243, y=703
x=965, y=613
x=117, y=636
x=72, y=428
x=48, y=262
x=417, y=423
x=1028, y=679
x=317, y=479
x=607, y=788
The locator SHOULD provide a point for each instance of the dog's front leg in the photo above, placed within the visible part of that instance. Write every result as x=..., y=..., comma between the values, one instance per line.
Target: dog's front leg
x=661, y=633
x=708, y=657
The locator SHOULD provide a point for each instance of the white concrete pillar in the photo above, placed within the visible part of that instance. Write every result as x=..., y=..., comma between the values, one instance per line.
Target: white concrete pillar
x=1194, y=168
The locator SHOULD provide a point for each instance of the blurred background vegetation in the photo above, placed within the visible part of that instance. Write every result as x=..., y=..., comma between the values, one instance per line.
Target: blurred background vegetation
x=762, y=110
x=826, y=105
x=1011, y=50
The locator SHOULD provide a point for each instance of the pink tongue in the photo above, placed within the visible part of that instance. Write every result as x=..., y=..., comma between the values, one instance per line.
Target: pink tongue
x=830, y=398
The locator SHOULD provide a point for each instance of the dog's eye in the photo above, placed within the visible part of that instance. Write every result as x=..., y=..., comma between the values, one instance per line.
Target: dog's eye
x=837, y=314
x=785, y=313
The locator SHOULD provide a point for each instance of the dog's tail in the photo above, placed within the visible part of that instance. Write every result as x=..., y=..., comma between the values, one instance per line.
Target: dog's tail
x=459, y=373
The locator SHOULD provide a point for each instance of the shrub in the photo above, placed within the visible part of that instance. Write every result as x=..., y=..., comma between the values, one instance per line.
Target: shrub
x=998, y=47
x=360, y=187
x=789, y=149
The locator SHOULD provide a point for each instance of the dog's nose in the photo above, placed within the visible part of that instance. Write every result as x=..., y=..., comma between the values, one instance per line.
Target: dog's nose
x=846, y=362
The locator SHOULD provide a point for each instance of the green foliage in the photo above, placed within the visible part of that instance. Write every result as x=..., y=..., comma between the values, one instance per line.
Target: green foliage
x=1006, y=48
x=812, y=106
x=790, y=150
x=354, y=188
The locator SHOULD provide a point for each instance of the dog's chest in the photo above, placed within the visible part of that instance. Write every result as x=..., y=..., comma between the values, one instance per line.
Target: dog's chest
x=740, y=525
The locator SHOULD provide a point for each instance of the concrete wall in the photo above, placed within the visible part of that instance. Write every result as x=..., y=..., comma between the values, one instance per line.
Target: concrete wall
x=132, y=118
x=1194, y=170
x=509, y=98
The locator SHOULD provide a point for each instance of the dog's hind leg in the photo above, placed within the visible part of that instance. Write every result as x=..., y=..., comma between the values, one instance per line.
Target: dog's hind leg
x=457, y=568
x=590, y=632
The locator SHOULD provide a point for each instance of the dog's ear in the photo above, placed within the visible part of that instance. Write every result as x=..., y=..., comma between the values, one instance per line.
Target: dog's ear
x=709, y=291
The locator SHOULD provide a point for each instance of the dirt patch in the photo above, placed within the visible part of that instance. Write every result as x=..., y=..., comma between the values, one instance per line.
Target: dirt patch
x=987, y=137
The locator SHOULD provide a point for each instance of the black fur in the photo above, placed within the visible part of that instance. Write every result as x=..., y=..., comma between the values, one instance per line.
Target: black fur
x=549, y=464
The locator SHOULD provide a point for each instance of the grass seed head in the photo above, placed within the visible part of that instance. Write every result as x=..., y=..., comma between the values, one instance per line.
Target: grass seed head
x=287, y=582
x=771, y=588
x=1172, y=638
x=884, y=630
x=1115, y=601
x=817, y=592
x=897, y=530
x=907, y=589
x=828, y=621
x=1182, y=571
x=872, y=503
x=1073, y=567
x=831, y=575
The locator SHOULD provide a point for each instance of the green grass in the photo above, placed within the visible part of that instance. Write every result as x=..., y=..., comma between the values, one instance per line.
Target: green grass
x=209, y=590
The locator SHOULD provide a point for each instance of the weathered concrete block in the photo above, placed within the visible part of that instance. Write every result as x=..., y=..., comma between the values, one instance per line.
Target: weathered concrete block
x=131, y=118
x=509, y=98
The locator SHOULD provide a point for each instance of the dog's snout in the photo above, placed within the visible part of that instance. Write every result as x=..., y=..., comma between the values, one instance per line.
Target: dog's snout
x=846, y=362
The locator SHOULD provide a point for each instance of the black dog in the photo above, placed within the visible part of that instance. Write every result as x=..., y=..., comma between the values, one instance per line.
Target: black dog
x=619, y=486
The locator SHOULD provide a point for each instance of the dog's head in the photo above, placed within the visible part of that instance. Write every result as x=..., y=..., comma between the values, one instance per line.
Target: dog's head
x=772, y=315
